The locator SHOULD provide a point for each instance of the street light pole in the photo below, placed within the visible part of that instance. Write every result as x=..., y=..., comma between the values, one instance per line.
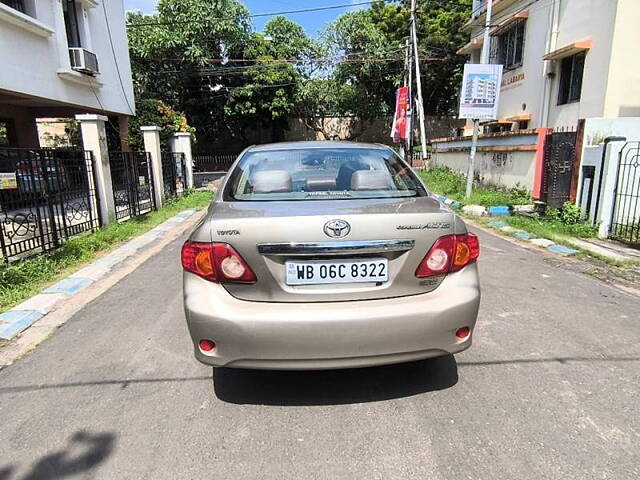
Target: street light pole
x=484, y=58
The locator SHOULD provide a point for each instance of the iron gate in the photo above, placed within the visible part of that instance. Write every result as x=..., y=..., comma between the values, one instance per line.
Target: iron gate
x=47, y=196
x=173, y=174
x=213, y=162
x=559, y=160
x=625, y=219
x=132, y=179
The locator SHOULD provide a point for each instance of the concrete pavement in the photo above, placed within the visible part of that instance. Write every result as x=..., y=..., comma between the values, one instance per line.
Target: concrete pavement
x=549, y=391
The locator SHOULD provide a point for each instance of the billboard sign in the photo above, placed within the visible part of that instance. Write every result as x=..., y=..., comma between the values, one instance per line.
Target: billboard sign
x=400, y=127
x=480, y=91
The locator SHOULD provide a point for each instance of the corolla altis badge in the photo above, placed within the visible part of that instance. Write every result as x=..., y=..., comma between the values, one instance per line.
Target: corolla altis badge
x=337, y=228
x=424, y=226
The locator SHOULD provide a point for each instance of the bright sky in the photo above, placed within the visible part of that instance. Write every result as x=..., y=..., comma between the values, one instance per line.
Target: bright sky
x=312, y=22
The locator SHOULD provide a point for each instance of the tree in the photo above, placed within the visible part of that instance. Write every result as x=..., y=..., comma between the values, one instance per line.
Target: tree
x=201, y=57
x=155, y=112
x=440, y=35
x=178, y=55
x=319, y=100
x=368, y=45
x=271, y=82
x=380, y=32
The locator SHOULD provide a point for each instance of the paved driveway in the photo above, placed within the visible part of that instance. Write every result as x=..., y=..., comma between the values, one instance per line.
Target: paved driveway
x=549, y=390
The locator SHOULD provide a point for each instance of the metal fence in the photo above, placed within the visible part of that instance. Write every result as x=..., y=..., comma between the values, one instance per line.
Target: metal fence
x=625, y=218
x=213, y=163
x=418, y=162
x=46, y=197
x=132, y=179
x=173, y=174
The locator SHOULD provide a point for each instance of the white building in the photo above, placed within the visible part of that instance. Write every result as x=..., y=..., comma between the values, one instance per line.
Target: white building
x=570, y=82
x=563, y=59
x=59, y=58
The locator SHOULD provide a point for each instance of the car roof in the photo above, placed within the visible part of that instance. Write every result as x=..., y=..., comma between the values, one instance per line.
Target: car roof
x=314, y=144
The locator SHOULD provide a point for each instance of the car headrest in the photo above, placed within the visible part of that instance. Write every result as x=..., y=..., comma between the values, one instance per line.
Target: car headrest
x=371, y=180
x=320, y=184
x=271, y=181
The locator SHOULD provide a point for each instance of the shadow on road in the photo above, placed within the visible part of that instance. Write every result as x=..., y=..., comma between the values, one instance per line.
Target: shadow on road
x=84, y=451
x=334, y=387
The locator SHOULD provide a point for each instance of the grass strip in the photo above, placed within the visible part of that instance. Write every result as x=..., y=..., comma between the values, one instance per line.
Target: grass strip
x=551, y=229
x=22, y=279
x=445, y=181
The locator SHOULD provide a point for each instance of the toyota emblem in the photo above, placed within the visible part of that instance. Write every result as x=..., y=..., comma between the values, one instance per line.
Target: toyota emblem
x=337, y=228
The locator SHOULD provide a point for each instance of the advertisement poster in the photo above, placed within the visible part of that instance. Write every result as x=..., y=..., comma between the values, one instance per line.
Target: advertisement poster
x=480, y=91
x=8, y=181
x=400, y=126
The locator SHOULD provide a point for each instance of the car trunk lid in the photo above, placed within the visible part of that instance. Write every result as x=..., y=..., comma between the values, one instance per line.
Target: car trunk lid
x=267, y=235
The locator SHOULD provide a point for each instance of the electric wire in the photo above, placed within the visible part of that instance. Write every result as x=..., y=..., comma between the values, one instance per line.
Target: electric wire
x=255, y=15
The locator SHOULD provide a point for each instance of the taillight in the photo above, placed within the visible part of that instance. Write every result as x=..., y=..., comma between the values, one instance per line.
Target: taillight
x=449, y=254
x=216, y=262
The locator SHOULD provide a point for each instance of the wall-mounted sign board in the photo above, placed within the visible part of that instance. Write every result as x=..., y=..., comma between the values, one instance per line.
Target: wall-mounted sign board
x=8, y=181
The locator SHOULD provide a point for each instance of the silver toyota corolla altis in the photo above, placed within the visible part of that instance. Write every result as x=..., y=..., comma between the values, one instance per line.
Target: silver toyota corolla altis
x=328, y=255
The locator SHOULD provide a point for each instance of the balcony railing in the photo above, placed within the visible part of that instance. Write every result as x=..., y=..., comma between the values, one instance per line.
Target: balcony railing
x=15, y=4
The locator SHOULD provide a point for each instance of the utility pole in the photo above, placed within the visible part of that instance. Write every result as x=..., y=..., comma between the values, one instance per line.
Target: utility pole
x=408, y=83
x=416, y=56
x=484, y=58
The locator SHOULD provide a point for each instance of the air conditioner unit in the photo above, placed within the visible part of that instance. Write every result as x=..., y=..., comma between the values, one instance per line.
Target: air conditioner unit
x=84, y=61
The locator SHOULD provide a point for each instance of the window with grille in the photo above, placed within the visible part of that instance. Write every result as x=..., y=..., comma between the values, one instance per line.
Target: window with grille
x=72, y=23
x=571, y=70
x=15, y=4
x=507, y=47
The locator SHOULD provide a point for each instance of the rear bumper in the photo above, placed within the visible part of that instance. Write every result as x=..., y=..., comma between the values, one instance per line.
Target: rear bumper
x=330, y=335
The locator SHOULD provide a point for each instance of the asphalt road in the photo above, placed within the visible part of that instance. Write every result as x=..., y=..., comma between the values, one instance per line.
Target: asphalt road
x=550, y=389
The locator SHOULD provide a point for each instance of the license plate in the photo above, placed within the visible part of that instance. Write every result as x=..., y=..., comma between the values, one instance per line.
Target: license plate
x=313, y=272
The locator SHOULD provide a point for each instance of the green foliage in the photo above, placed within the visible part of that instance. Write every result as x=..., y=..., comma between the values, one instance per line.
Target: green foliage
x=180, y=63
x=377, y=33
x=440, y=35
x=569, y=214
x=271, y=84
x=201, y=58
x=381, y=32
x=445, y=181
x=199, y=67
x=157, y=113
x=71, y=138
x=24, y=278
x=551, y=228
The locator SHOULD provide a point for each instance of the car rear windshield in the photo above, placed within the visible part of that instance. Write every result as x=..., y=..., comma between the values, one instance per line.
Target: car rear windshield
x=322, y=174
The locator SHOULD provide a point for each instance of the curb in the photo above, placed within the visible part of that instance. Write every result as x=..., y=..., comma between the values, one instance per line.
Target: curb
x=450, y=201
x=22, y=316
x=503, y=210
x=526, y=236
x=477, y=210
